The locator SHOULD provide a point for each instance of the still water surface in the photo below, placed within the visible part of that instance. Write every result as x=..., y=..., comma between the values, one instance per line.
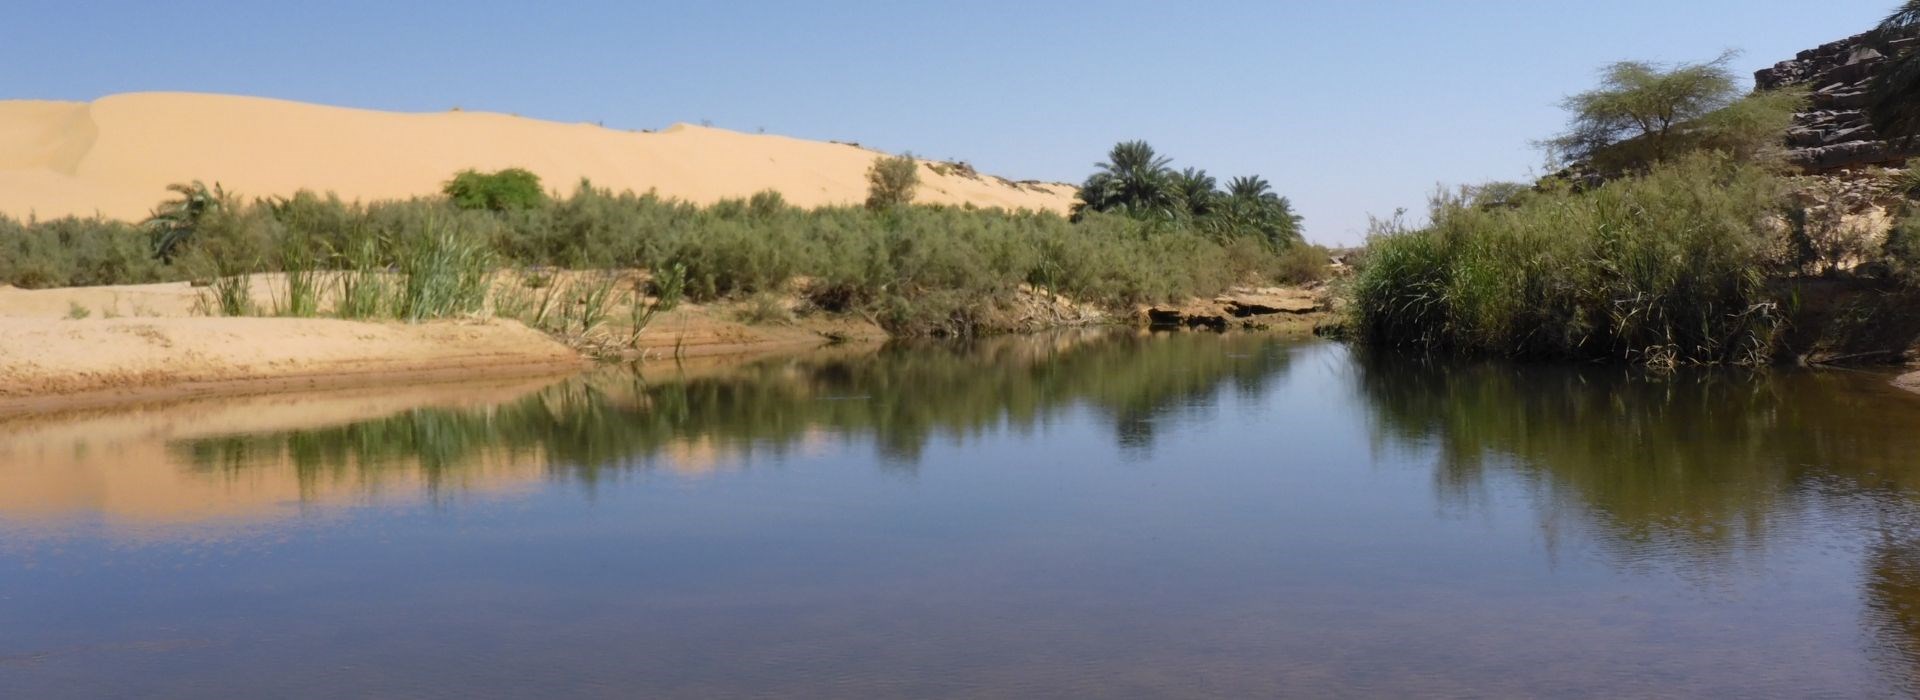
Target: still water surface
x=1166, y=516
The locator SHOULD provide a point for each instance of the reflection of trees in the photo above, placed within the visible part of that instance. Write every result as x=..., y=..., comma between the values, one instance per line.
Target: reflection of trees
x=1686, y=471
x=900, y=398
x=1893, y=609
x=1696, y=462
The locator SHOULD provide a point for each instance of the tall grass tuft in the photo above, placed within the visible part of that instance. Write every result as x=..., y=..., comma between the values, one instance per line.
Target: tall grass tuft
x=299, y=268
x=443, y=273
x=1663, y=269
x=668, y=287
x=363, y=283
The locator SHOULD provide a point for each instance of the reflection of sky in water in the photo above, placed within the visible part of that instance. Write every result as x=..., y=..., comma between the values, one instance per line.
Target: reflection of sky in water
x=1181, y=516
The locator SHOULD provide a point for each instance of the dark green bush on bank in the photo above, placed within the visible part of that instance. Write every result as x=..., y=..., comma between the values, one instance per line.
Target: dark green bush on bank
x=1666, y=268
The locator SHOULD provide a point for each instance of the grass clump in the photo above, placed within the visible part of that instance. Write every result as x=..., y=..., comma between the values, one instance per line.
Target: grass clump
x=1663, y=269
x=443, y=272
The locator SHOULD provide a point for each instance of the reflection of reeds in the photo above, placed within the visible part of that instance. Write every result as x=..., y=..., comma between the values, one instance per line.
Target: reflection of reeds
x=900, y=399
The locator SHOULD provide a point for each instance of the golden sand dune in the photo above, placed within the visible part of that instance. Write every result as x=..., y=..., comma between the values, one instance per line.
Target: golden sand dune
x=116, y=155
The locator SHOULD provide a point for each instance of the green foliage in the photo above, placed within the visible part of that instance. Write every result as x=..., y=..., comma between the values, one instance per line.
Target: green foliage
x=362, y=282
x=76, y=312
x=1135, y=181
x=174, y=222
x=1895, y=91
x=1902, y=250
x=444, y=271
x=72, y=251
x=1662, y=269
x=1138, y=182
x=1303, y=264
x=1631, y=120
x=512, y=189
x=916, y=269
x=1751, y=129
x=891, y=181
x=669, y=286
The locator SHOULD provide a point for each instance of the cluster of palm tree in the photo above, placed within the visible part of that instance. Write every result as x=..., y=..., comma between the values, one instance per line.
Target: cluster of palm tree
x=1136, y=181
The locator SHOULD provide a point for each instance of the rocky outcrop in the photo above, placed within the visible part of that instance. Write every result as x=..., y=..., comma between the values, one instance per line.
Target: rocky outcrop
x=1834, y=133
x=1252, y=308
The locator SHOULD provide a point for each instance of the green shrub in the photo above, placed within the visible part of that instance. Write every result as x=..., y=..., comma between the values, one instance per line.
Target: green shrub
x=1303, y=264
x=891, y=181
x=1661, y=269
x=511, y=189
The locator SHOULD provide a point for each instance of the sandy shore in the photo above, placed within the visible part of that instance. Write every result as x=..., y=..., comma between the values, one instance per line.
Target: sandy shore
x=47, y=362
x=152, y=341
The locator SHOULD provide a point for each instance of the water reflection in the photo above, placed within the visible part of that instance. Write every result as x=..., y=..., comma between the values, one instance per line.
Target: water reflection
x=447, y=442
x=1704, y=474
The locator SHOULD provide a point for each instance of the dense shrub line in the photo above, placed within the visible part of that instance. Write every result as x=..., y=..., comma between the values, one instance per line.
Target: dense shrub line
x=912, y=267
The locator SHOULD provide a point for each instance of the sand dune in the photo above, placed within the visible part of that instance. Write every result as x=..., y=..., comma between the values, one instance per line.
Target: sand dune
x=116, y=155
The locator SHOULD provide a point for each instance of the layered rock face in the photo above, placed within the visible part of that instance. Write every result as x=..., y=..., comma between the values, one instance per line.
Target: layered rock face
x=1834, y=133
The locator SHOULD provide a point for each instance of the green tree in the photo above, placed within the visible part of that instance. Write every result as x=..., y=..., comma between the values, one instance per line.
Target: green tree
x=1895, y=92
x=174, y=221
x=1135, y=181
x=1252, y=207
x=1635, y=118
x=1197, y=191
x=891, y=181
x=506, y=190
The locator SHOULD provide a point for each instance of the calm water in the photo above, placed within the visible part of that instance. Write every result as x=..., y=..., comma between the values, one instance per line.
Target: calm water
x=1170, y=516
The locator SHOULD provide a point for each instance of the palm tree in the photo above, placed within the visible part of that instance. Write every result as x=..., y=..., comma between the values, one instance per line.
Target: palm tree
x=1895, y=92
x=174, y=221
x=1197, y=191
x=1134, y=180
x=1252, y=204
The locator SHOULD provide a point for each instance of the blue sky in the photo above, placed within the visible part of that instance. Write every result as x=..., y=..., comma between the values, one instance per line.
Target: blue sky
x=1351, y=108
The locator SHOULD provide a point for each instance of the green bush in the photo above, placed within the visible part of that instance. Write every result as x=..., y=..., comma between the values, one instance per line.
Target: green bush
x=512, y=189
x=891, y=181
x=1665, y=268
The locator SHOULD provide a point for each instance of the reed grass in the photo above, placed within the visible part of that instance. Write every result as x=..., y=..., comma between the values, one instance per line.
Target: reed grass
x=1668, y=268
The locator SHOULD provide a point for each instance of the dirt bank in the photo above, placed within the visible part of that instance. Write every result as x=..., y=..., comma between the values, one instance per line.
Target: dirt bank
x=46, y=361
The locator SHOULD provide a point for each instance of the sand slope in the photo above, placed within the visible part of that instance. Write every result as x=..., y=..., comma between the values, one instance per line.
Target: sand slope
x=116, y=155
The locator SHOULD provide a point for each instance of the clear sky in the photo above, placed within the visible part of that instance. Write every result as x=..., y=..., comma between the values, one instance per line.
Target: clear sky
x=1350, y=107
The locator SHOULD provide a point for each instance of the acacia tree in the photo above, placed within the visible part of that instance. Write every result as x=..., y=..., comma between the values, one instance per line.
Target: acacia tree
x=1895, y=106
x=1635, y=117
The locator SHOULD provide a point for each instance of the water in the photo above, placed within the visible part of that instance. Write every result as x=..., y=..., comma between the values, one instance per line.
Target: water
x=1183, y=516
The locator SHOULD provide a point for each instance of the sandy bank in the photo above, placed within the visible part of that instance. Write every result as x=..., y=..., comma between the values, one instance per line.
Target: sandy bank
x=46, y=362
